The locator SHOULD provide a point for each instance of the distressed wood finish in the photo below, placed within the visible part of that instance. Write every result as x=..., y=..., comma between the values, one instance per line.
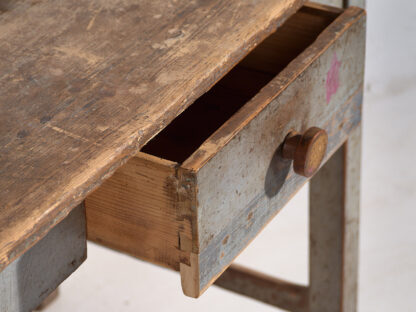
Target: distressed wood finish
x=242, y=181
x=273, y=291
x=85, y=84
x=236, y=181
x=334, y=223
x=28, y=280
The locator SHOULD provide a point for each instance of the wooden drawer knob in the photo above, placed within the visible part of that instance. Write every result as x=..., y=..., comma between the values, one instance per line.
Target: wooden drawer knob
x=307, y=150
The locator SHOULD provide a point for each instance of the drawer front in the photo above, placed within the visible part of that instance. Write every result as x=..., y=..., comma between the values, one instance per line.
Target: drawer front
x=242, y=180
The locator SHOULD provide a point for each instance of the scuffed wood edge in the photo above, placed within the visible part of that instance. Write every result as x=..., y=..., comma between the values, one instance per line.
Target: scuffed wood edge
x=187, y=212
x=190, y=276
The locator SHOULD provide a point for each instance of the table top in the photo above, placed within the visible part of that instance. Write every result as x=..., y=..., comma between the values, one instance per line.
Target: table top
x=84, y=84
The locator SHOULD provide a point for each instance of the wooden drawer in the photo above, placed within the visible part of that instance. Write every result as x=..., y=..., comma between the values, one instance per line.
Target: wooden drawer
x=206, y=185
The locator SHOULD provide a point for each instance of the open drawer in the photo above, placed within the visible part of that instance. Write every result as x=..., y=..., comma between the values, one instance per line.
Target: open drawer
x=204, y=187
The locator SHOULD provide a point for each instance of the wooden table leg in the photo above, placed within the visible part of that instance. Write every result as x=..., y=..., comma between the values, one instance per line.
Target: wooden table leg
x=334, y=222
x=28, y=280
x=264, y=288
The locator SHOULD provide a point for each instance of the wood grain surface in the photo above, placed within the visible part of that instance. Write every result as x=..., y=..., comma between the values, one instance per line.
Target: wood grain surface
x=85, y=84
x=135, y=211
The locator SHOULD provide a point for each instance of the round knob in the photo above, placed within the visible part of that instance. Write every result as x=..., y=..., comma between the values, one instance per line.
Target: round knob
x=307, y=150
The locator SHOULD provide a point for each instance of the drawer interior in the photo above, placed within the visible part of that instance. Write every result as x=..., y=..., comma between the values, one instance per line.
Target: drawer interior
x=181, y=138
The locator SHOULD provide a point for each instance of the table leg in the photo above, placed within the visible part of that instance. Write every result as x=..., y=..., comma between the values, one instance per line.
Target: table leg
x=28, y=280
x=334, y=223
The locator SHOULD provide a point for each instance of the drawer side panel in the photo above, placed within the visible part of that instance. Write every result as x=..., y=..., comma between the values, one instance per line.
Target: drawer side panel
x=135, y=211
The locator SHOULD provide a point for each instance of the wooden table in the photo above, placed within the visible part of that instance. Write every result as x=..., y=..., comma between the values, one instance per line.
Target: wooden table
x=86, y=85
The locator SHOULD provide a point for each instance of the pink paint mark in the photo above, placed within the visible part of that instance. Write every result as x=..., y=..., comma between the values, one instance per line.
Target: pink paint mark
x=332, y=78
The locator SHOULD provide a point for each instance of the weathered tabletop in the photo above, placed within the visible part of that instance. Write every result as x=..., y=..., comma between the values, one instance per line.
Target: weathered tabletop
x=84, y=84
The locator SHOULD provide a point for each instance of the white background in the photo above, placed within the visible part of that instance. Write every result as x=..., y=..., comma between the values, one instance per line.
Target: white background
x=109, y=281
